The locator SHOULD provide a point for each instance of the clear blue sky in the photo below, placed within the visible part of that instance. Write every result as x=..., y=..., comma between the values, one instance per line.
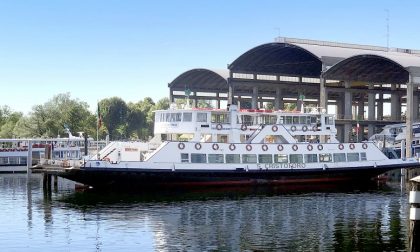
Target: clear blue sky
x=133, y=49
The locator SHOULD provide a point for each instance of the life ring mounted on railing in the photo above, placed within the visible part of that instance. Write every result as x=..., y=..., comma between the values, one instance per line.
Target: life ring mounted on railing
x=248, y=147
x=314, y=128
x=341, y=146
x=274, y=128
x=364, y=146
x=310, y=147
x=244, y=127
x=295, y=147
x=264, y=147
x=304, y=128
x=293, y=128
x=320, y=147
x=215, y=146
x=197, y=146
x=280, y=147
x=351, y=146
x=232, y=147
x=181, y=146
x=219, y=126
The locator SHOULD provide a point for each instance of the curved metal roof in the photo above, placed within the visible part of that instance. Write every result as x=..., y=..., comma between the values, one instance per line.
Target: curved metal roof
x=369, y=68
x=201, y=79
x=278, y=58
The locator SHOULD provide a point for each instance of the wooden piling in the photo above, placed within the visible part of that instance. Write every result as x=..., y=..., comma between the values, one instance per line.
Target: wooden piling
x=414, y=200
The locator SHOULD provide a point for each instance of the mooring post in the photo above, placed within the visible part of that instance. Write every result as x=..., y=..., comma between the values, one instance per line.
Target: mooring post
x=414, y=200
x=55, y=182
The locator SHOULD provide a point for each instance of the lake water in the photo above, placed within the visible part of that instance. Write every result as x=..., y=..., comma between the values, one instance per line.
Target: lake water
x=373, y=218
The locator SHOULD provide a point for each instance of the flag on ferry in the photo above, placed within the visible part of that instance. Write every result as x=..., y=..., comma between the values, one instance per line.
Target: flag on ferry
x=99, y=117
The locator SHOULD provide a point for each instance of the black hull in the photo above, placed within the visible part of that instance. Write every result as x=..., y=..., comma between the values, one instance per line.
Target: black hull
x=148, y=178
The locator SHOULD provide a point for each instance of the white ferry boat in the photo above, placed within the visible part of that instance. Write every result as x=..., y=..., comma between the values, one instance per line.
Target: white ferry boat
x=234, y=147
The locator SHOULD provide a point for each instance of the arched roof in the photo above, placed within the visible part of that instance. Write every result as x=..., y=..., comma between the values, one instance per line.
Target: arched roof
x=369, y=68
x=201, y=79
x=278, y=58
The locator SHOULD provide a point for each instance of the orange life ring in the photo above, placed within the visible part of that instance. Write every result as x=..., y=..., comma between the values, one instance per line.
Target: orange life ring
x=280, y=147
x=197, y=146
x=248, y=147
x=364, y=146
x=215, y=146
x=320, y=147
x=264, y=147
x=304, y=128
x=232, y=147
x=295, y=147
x=293, y=128
x=219, y=126
x=244, y=127
x=310, y=147
x=341, y=146
x=181, y=146
x=274, y=128
x=351, y=146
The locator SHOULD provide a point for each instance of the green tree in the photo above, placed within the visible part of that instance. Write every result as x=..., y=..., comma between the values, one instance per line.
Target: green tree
x=114, y=112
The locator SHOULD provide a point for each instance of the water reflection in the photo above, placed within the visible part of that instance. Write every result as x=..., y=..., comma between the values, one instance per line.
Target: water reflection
x=343, y=218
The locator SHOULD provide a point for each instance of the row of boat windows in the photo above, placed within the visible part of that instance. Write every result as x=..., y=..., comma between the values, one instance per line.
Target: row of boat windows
x=12, y=160
x=244, y=119
x=268, y=158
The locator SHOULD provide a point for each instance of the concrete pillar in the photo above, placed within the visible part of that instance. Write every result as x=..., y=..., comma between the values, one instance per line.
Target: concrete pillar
x=395, y=104
x=340, y=106
x=361, y=108
x=171, y=95
x=218, y=100
x=323, y=99
x=238, y=102
x=371, y=110
x=380, y=111
x=409, y=117
x=340, y=133
x=230, y=91
x=415, y=108
x=254, y=97
x=347, y=132
x=348, y=100
x=278, y=99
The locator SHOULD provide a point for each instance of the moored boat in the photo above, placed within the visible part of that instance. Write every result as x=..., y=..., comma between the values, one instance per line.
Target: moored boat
x=207, y=147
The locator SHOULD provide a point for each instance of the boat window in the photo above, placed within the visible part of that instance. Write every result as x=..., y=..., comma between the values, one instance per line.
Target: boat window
x=280, y=158
x=296, y=158
x=302, y=119
x=329, y=120
x=311, y=158
x=220, y=118
x=216, y=158
x=185, y=158
x=339, y=157
x=296, y=120
x=351, y=157
x=265, y=158
x=187, y=117
x=363, y=156
x=289, y=120
x=281, y=120
x=249, y=158
x=201, y=117
x=4, y=160
x=13, y=160
x=313, y=119
x=267, y=119
x=233, y=158
x=23, y=160
x=325, y=157
x=198, y=158
x=247, y=120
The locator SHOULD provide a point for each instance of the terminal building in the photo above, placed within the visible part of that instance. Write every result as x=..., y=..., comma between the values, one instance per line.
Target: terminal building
x=366, y=87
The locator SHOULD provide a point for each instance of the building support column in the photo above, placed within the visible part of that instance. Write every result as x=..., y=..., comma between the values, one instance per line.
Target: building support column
x=371, y=110
x=415, y=107
x=171, y=95
x=278, y=99
x=323, y=99
x=395, y=104
x=380, y=111
x=230, y=91
x=409, y=116
x=254, y=97
x=218, y=100
x=348, y=102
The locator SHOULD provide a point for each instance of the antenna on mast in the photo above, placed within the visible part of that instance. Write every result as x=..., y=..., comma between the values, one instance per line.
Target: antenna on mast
x=387, y=29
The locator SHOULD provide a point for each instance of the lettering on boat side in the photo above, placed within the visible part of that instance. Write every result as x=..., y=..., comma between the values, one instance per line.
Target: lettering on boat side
x=281, y=165
x=130, y=149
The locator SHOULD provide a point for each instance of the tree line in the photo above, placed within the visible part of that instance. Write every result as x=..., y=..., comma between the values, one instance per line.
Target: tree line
x=119, y=119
